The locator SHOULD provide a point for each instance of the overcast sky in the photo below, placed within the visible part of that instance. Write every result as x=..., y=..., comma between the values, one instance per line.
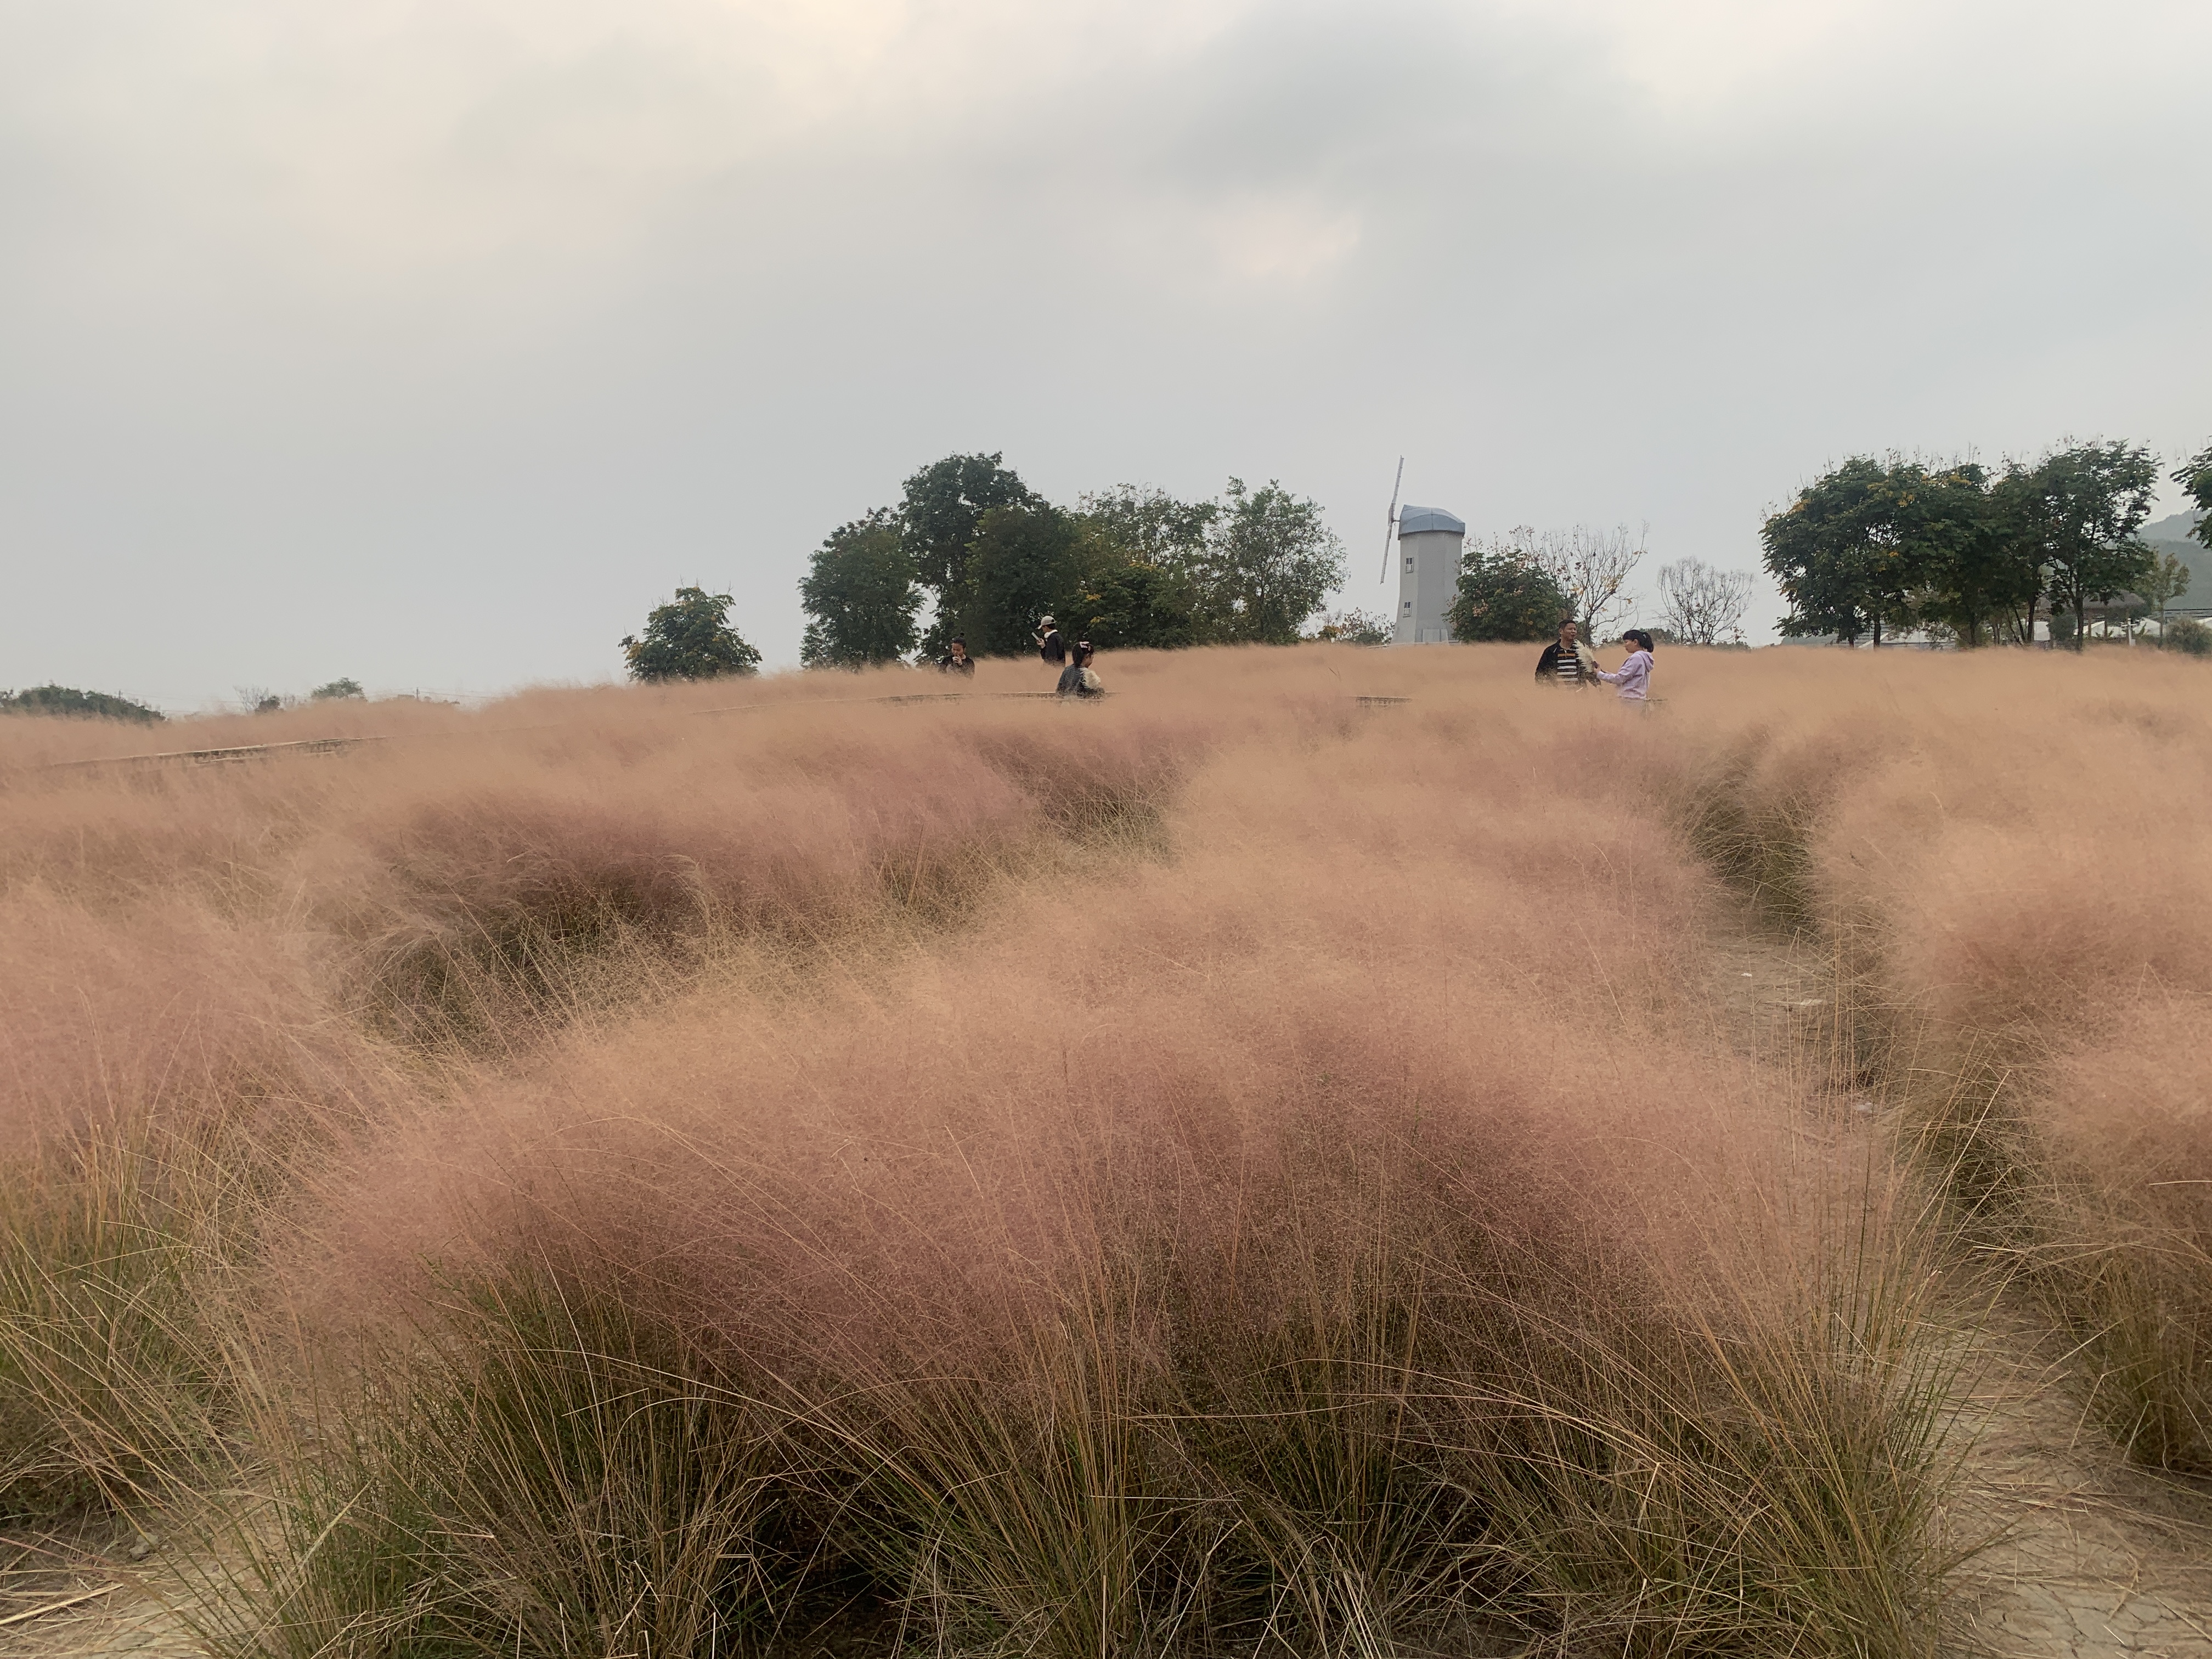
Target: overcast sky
x=431, y=342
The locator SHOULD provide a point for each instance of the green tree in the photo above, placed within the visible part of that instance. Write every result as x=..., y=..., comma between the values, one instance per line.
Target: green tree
x=1140, y=553
x=689, y=639
x=1961, y=540
x=2085, y=503
x=859, y=596
x=1503, y=596
x=2014, y=522
x=2168, y=581
x=338, y=688
x=1892, y=543
x=1269, y=560
x=1025, y=562
x=2195, y=477
x=942, y=511
x=66, y=700
x=1131, y=606
x=1835, y=553
x=1143, y=526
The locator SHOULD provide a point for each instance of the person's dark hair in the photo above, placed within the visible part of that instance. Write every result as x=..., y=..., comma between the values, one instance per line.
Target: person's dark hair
x=955, y=640
x=1083, y=648
x=1643, y=639
x=1566, y=622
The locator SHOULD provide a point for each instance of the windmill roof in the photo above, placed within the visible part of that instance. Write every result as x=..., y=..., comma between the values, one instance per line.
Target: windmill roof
x=1418, y=520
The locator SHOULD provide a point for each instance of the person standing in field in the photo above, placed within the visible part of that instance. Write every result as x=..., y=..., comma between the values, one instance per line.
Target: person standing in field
x=1634, y=678
x=956, y=661
x=1079, y=678
x=1050, y=646
x=1567, y=660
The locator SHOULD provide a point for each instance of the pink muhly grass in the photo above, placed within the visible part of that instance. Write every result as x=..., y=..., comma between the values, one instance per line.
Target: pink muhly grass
x=1228, y=1163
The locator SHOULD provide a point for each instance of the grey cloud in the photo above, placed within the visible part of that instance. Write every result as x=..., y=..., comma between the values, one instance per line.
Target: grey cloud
x=1326, y=236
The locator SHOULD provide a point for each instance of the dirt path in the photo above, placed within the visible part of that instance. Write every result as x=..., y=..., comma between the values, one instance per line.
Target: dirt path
x=2089, y=1558
x=71, y=1598
x=124, y=1622
x=2095, y=1559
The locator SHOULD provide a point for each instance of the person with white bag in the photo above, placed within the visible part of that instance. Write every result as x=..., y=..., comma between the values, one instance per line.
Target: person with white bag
x=1079, y=678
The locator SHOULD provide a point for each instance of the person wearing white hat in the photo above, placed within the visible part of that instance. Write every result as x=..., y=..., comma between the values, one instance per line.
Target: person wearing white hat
x=1050, y=646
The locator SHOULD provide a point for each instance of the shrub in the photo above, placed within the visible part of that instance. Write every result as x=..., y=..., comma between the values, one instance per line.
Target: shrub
x=1352, y=627
x=2187, y=635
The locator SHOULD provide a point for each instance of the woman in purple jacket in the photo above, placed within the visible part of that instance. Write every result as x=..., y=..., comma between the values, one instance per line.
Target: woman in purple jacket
x=1634, y=678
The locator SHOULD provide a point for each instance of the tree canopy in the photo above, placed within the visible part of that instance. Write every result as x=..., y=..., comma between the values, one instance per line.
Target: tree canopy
x=1835, y=557
x=66, y=700
x=689, y=639
x=1895, y=543
x=1143, y=525
x=1128, y=568
x=942, y=508
x=1268, y=560
x=2195, y=477
x=2083, y=507
x=861, y=596
x=2167, y=582
x=1505, y=595
x=1127, y=605
x=345, y=688
x=1023, y=564
x=1139, y=554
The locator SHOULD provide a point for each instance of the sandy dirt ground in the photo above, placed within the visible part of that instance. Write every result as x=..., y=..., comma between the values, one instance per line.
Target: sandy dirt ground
x=84, y=1595
x=2090, y=1557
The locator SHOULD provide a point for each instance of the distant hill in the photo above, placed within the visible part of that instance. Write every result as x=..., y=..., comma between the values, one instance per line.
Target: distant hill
x=2180, y=527
x=2172, y=535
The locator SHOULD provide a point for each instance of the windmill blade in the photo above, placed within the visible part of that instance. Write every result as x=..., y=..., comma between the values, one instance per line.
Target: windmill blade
x=1390, y=529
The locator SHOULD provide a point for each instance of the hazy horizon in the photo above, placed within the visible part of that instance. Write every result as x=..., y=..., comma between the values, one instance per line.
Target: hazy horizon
x=431, y=347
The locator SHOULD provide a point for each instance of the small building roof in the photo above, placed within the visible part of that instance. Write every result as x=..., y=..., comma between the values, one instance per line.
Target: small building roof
x=1418, y=520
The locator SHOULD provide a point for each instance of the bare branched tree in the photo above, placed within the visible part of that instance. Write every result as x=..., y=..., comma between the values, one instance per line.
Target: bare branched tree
x=1700, y=605
x=1591, y=566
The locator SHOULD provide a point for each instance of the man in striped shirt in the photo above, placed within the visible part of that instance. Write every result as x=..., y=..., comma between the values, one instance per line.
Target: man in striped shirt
x=1564, y=662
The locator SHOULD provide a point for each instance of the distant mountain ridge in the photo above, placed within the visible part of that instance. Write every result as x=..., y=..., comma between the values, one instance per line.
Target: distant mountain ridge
x=2168, y=531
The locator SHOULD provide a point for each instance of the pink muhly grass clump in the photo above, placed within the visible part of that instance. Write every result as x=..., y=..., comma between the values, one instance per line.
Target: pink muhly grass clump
x=2021, y=887
x=1228, y=1161
x=161, y=1076
x=1286, y=1215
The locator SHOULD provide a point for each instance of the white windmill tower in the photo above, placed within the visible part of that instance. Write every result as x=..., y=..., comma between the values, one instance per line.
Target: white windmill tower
x=1429, y=543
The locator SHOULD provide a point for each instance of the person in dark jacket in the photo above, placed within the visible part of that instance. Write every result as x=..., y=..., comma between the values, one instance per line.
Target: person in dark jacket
x=1567, y=660
x=1078, y=679
x=1050, y=646
x=956, y=660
